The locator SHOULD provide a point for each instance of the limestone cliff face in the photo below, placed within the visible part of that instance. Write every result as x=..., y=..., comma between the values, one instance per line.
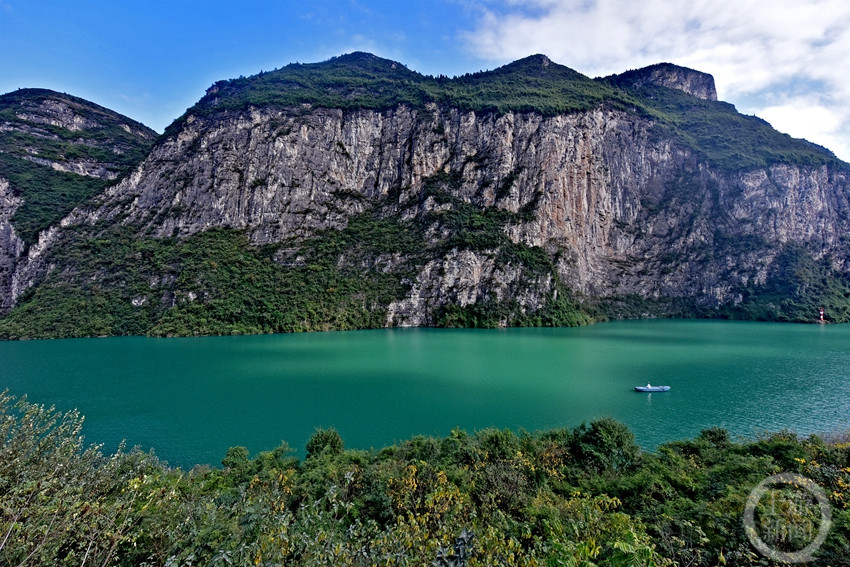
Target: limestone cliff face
x=695, y=83
x=622, y=210
x=11, y=246
x=43, y=136
x=514, y=206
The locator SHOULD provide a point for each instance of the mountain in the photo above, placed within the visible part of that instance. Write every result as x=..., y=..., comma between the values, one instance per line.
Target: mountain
x=700, y=85
x=357, y=193
x=56, y=150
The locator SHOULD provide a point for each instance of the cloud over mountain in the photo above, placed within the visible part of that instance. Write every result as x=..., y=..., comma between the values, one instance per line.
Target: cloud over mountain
x=783, y=60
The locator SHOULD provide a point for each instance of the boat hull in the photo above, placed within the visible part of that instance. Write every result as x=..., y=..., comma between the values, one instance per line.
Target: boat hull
x=651, y=389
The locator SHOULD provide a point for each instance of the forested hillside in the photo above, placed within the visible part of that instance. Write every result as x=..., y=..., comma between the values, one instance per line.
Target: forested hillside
x=56, y=151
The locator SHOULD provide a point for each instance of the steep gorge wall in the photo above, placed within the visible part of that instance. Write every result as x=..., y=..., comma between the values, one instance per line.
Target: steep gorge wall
x=49, y=141
x=621, y=209
x=11, y=245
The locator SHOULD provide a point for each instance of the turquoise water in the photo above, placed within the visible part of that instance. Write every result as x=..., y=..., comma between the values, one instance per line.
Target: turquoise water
x=190, y=399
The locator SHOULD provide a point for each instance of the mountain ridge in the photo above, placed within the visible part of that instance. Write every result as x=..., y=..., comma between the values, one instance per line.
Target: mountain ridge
x=533, y=84
x=56, y=150
x=690, y=81
x=336, y=195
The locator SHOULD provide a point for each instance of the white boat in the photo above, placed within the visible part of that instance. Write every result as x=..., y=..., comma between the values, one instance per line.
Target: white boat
x=651, y=388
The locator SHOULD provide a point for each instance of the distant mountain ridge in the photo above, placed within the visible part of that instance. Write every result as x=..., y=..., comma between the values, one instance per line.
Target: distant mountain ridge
x=56, y=150
x=357, y=193
x=98, y=142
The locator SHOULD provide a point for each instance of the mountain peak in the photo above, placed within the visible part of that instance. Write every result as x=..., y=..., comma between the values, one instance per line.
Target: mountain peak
x=359, y=56
x=368, y=61
x=536, y=59
x=696, y=83
x=56, y=150
x=47, y=107
x=539, y=65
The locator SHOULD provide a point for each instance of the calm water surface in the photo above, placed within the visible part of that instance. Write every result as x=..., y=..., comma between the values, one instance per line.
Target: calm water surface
x=191, y=399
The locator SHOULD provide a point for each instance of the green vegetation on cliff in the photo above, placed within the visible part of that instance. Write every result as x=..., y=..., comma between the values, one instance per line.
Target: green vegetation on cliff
x=212, y=283
x=110, y=281
x=725, y=138
x=47, y=195
x=364, y=81
x=97, y=137
x=583, y=496
x=42, y=128
x=715, y=130
x=797, y=287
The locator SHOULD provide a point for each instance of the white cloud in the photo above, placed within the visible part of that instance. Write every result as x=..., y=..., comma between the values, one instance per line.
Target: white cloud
x=784, y=57
x=809, y=120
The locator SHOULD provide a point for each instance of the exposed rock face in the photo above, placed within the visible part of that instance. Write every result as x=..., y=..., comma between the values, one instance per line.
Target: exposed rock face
x=600, y=200
x=11, y=246
x=55, y=113
x=53, y=129
x=696, y=83
x=58, y=133
x=87, y=168
x=625, y=212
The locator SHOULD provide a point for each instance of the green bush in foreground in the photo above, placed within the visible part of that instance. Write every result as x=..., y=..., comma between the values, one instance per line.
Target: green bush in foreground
x=583, y=496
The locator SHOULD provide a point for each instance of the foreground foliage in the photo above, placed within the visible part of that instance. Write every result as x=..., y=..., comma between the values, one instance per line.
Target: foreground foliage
x=583, y=496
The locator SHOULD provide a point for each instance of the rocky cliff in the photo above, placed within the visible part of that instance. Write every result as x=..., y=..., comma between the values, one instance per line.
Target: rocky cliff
x=696, y=83
x=357, y=193
x=55, y=151
x=11, y=245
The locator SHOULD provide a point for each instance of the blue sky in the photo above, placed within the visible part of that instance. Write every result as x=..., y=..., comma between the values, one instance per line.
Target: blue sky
x=783, y=60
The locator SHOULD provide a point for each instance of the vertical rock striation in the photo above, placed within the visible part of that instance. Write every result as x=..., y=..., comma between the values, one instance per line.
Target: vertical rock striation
x=515, y=206
x=11, y=246
x=55, y=151
x=622, y=211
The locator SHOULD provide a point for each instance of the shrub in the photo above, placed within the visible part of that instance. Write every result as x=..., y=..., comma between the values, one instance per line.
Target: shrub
x=324, y=442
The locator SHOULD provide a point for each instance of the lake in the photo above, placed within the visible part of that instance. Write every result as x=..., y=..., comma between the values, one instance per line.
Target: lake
x=190, y=399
